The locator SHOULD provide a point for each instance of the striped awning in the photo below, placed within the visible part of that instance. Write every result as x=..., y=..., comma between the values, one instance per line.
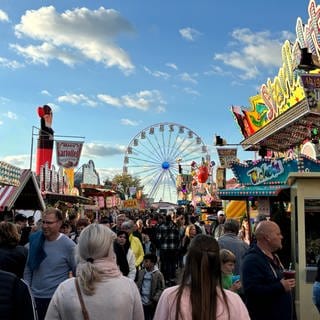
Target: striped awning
x=26, y=196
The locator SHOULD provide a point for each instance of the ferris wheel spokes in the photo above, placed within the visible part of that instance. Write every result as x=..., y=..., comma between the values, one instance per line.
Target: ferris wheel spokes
x=156, y=183
x=156, y=150
x=145, y=170
x=184, y=147
x=145, y=157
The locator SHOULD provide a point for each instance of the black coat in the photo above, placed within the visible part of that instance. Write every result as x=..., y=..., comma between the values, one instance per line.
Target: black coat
x=13, y=259
x=15, y=298
x=265, y=296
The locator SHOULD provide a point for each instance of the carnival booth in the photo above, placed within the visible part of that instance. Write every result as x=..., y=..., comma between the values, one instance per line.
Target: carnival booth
x=282, y=126
x=19, y=190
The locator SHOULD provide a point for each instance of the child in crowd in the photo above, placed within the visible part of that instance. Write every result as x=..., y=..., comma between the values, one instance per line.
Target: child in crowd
x=66, y=229
x=229, y=280
x=148, y=246
x=151, y=284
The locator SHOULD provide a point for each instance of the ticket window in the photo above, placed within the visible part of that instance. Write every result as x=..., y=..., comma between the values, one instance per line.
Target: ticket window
x=312, y=236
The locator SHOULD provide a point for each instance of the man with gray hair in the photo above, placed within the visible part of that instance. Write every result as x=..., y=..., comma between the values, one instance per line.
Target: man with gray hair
x=230, y=241
x=121, y=218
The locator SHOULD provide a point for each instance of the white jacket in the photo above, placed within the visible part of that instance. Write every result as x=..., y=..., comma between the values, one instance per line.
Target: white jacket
x=132, y=265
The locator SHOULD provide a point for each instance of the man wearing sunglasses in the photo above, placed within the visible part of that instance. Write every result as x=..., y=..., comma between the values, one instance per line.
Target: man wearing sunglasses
x=50, y=259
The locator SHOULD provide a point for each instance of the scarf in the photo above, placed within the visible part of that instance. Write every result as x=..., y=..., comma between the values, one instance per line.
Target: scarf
x=36, y=252
x=108, y=266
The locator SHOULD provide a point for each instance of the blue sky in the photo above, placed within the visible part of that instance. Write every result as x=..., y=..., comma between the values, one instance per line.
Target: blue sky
x=109, y=69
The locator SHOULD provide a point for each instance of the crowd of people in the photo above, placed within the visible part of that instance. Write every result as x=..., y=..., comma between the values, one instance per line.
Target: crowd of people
x=128, y=265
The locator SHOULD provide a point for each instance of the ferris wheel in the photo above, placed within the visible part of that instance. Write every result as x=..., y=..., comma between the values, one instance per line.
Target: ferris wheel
x=158, y=153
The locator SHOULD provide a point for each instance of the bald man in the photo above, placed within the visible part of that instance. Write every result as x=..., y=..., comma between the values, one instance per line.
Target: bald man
x=267, y=294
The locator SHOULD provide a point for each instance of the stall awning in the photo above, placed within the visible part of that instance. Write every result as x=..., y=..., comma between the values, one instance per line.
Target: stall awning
x=52, y=197
x=26, y=196
x=253, y=191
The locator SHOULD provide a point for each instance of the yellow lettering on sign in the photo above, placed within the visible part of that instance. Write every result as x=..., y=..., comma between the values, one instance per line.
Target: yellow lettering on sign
x=131, y=203
x=285, y=90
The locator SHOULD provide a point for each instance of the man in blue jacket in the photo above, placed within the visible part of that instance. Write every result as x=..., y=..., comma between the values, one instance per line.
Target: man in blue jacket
x=267, y=294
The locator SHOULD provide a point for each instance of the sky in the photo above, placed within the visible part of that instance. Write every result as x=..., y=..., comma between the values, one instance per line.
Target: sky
x=110, y=69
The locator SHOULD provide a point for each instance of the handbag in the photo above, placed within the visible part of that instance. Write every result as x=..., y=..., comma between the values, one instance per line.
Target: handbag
x=83, y=307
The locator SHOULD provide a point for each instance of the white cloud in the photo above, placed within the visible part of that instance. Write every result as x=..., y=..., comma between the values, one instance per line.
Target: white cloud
x=77, y=99
x=11, y=115
x=113, y=101
x=4, y=100
x=160, y=109
x=3, y=16
x=189, y=34
x=108, y=173
x=191, y=91
x=217, y=70
x=1, y=122
x=46, y=52
x=157, y=74
x=254, y=51
x=45, y=93
x=143, y=100
x=136, y=101
x=74, y=35
x=128, y=122
x=172, y=66
x=10, y=64
x=188, y=78
x=101, y=150
x=21, y=161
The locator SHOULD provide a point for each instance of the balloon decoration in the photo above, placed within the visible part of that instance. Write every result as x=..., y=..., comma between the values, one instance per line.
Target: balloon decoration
x=45, y=140
x=201, y=183
x=200, y=173
x=203, y=174
x=196, y=186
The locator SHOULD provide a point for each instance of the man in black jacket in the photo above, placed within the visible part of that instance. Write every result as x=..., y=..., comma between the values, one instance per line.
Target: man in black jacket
x=16, y=301
x=267, y=294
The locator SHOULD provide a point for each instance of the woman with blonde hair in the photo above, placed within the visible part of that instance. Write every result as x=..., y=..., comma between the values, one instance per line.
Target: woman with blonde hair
x=100, y=290
x=200, y=295
x=189, y=234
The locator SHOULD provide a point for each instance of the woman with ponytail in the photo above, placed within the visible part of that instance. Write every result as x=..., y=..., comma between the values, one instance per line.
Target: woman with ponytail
x=99, y=291
x=200, y=295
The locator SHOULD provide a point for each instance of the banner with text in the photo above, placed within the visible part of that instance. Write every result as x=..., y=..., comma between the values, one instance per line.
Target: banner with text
x=68, y=153
x=227, y=156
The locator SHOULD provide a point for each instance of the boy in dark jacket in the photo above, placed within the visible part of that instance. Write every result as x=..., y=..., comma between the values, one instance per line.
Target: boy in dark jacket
x=151, y=284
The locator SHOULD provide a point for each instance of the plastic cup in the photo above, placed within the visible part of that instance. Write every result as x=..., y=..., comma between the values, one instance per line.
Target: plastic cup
x=289, y=274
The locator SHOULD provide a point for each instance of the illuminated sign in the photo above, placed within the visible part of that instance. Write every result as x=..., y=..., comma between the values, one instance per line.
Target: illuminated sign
x=265, y=172
x=286, y=89
x=131, y=203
